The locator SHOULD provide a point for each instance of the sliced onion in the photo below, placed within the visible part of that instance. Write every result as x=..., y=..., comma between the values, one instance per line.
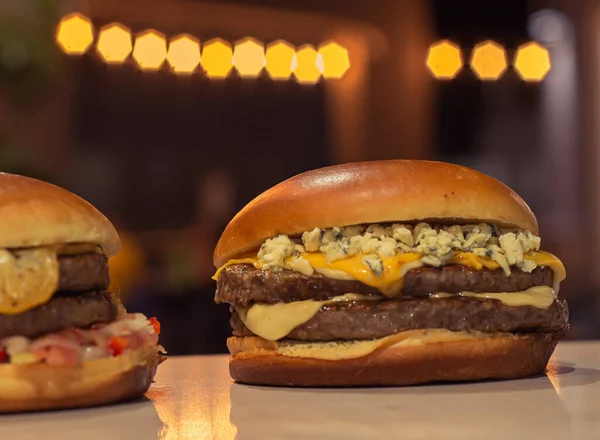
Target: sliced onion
x=16, y=345
x=91, y=352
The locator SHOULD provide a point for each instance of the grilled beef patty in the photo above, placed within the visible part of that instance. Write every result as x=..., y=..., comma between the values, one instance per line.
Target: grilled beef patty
x=83, y=272
x=376, y=319
x=62, y=311
x=242, y=284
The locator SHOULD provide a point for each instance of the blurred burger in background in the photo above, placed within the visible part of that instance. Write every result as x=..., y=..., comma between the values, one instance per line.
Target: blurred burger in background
x=388, y=273
x=65, y=340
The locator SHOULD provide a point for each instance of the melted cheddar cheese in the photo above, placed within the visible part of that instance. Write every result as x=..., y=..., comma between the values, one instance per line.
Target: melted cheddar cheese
x=389, y=281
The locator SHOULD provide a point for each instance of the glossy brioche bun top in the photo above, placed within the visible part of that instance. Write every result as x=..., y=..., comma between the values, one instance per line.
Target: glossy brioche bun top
x=35, y=213
x=373, y=192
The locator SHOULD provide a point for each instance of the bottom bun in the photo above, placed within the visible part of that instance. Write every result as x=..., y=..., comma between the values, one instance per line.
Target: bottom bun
x=408, y=358
x=96, y=382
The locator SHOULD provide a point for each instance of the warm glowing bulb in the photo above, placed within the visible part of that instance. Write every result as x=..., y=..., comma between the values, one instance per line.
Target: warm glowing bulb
x=217, y=58
x=184, y=54
x=150, y=50
x=488, y=60
x=280, y=59
x=114, y=43
x=307, y=71
x=75, y=34
x=335, y=59
x=249, y=57
x=532, y=62
x=444, y=59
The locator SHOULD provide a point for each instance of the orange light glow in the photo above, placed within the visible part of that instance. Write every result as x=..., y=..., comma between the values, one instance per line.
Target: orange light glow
x=532, y=62
x=306, y=70
x=335, y=59
x=488, y=60
x=444, y=59
x=75, y=34
x=114, y=43
x=184, y=54
x=280, y=59
x=150, y=50
x=249, y=57
x=217, y=58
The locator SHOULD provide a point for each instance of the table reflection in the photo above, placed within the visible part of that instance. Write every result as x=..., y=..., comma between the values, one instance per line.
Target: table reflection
x=131, y=420
x=473, y=410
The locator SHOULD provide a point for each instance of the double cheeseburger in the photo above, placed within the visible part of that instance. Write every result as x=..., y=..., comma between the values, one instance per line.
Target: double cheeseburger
x=388, y=273
x=65, y=341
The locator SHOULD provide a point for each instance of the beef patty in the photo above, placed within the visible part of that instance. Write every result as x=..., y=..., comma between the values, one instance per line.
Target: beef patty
x=242, y=284
x=62, y=311
x=83, y=272
x=370, y=320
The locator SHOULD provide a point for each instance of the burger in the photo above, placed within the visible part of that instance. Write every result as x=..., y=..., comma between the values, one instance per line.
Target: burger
x=65, y=341
x=388, y=273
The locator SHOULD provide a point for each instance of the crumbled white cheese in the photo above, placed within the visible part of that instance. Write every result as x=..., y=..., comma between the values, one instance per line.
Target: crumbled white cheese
x=331, y=236
x=312, y=240
x=421, y=233
x=299, y=264
x=275, y=250
x=386, y=247
x=526, y=266
x=512, y=248
x=333, y=251
x=476, y=236
x=353, y=231
x=499, y=258
x=437, y=244
x=369, y=245
x=299, y=249
x=379, y=231
x=374, y=263
x=403, y=235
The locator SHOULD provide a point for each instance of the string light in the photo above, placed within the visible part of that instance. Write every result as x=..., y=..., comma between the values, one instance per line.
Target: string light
x=75, y=34
x=488, y=60
x=184, y=54
x=217, y=58
x=335, y=60
x=114, y=43
x=306, y=70
x=444, y=59
x=280, y=59
x=532, y=61
x=249, y=57
x=150, y=50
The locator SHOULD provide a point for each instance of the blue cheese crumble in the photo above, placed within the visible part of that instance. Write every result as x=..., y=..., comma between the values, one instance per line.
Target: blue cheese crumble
x=437, y=244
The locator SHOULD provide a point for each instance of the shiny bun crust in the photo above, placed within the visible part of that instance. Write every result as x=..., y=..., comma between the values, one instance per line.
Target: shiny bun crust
x=97, y=382
x=36, y=213
x=373, y=192
x=509, y=357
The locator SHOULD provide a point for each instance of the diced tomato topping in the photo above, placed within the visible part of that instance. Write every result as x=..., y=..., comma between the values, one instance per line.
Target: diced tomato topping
x=155, y=324
x=117, y=345
x=3, y=356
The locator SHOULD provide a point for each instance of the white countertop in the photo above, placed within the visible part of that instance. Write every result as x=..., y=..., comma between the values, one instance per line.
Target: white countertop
x=194, y=398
